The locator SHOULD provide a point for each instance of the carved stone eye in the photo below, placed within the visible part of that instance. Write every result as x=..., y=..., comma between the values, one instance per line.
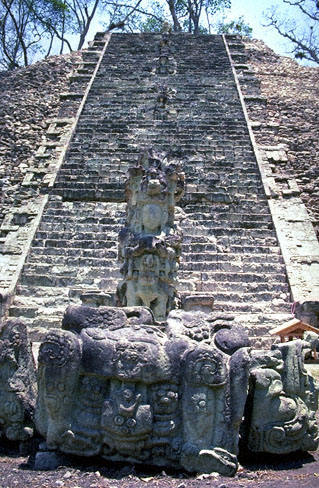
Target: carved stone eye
x=127, y=394
x=207, y=372
x=49, y=387
x=172, y=395
x=131, y=423
x=164, y=400
x=119, y=420
x=61, y=386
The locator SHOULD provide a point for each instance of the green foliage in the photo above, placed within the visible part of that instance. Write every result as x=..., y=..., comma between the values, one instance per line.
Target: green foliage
x=26, y=26
x=150, y=20
x=151, y=25
x=29, y=27
x=194, y=14
x=23, y=25
x=236, y=26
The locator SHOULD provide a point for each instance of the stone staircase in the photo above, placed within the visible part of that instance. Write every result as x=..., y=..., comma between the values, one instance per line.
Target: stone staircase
x=31, y=193
x=276, y=145
x=180, y=97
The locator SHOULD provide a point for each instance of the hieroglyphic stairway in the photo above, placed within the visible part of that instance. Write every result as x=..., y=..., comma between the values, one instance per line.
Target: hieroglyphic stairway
x=173, y=93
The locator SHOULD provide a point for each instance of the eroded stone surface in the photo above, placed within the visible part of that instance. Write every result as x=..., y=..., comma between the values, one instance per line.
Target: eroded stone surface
x=284, y=400
x=286, y=126
x=17, y=382
x=150, y=243
x=286, y=160
x=33, y=147
x=124, y=389
x=112, y=385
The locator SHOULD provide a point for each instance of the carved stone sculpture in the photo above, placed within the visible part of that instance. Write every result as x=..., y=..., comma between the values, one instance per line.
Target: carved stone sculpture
x=17, y=382
x=171, y=391
x=150, y=243
x=283, y=401
x=112, y=383
x=166, y=62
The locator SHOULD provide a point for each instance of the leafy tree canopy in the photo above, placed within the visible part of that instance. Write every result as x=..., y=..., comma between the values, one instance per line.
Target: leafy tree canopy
x=33, y=28
x=236, y=26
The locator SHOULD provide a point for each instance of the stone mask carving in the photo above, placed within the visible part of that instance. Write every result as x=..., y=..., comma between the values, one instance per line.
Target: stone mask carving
x=150, y=243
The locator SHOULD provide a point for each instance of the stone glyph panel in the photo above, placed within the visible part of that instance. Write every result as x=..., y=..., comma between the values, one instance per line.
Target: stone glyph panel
x=112, y=383
x=150, y=243
x=17, y=382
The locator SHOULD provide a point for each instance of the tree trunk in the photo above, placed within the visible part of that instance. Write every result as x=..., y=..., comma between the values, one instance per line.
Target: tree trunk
x=176, y=25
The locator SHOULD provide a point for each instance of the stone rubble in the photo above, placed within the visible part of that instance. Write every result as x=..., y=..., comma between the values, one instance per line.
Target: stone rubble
x=289, y=118
x=230, y=254
x=29, y=97
x=279, y=151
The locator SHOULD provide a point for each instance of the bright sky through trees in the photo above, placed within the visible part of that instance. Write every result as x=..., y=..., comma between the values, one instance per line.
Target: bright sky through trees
x=253, y=13
x=33, y=29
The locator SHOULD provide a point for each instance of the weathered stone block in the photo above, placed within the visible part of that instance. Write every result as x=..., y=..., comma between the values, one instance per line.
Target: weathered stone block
x=112, y=383
x=283, y=400
x=17, y=382
x=115, y=384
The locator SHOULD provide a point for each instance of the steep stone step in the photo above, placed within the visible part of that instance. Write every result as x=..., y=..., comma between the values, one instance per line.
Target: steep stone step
x=208, y=281
x=93, y=251
x=195, y=212
x=77, y=244
x=85, y=280
x=232, y=277
x=79, y=239
x=240, y=226
x=232, y=266
x=274, y=298
x=230, y=249
x=44, y=252
x=82, y=267
x=196, y=259
x=259, y=307
x=224, y=240
x=71, y=259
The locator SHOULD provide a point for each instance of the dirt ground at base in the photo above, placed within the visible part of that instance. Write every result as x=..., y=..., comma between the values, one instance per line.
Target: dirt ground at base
x=293, y=471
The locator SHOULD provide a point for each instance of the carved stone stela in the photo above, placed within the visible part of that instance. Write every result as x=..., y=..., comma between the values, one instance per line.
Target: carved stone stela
x=114, y=384
x=148, y=384
x=17, y=382
x=150, y=243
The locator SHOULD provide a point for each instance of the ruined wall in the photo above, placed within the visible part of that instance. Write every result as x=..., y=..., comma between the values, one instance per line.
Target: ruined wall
x=223, y=180
x=39, y=114
x=29, y=96
x=281, y=104
x=287, y=115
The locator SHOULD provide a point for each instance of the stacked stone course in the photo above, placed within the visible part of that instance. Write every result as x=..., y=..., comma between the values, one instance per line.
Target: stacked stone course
x=32, y=153
x=174, y=94
x=282, y=100
x=284, y=133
